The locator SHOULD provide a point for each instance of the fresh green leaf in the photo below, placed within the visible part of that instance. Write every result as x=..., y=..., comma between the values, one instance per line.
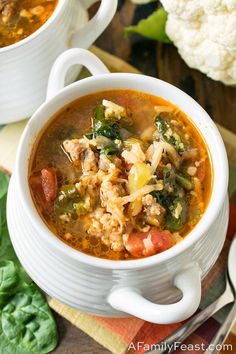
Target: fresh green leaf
x=3, y=219
x=152, y=27
x=27, y=321
x=4, y=180
x=8, y=279
x=6, y=347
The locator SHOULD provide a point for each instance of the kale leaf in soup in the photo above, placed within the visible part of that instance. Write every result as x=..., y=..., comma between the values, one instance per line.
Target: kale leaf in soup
x=120, y=175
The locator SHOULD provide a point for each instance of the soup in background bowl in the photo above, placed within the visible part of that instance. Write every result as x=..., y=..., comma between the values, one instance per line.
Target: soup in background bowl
x=177, y=153
x=120, y=175
x=32, y=35
x=20, y=18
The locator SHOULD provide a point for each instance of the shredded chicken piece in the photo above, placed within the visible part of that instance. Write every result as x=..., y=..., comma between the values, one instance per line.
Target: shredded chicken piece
x=89, y=161
x=192, y=170
x=104, y=225
x=37, y=10
x=142, y=191
x=134, y=155
x=153, y=210
x=74, y=147
x=154, y=154
x=178, y=210
x=147, y=134
x=110, y=198
x=189, y=154
x=172, y=153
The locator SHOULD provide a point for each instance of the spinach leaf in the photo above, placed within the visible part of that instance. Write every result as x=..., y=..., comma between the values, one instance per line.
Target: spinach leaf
x=4, y=179
x=152, y=27
x=111, y=131
x=164, y=130
x=27, y=321
x=174, y=223
x=109, y=150
x=170, y=199
x=102, y=126
x=8, y=279
x=6, y=347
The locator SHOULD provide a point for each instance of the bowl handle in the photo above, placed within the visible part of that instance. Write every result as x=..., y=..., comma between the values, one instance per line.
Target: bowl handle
x=130, y=300
x=86, y=35
x=65, y=61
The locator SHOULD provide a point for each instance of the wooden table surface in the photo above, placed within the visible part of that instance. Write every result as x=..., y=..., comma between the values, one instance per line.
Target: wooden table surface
x=164, y=62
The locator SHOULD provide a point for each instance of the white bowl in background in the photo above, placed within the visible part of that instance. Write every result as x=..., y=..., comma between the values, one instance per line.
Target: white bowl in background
x=164, y=288
x=25, y=65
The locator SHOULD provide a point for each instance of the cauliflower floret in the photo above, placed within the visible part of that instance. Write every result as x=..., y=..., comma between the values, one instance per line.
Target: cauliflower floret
x=205, y=34
x=113, y=110
x=185, y=9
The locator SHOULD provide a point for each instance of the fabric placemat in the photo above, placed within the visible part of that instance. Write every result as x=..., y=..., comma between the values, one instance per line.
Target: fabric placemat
x=133, y=334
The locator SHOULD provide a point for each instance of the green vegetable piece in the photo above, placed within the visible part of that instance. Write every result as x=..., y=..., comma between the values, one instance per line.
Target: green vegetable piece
x=109, y=150
x=174, y=223
x=8, y=280
x=67, y=199
x=91, y=135
x=152, y=27
x=99, y=118
x=184, y=182
x=110, y=131
x=80, y=209
x=102, y=126
x=68, y=191
x=4, y=180
x=27, y=321
x=163, y=127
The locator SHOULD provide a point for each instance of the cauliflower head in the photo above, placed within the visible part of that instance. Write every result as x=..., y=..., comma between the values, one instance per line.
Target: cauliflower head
x=204, y=31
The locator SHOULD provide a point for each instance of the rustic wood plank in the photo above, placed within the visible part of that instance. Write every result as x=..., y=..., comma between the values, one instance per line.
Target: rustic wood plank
x=217, y=99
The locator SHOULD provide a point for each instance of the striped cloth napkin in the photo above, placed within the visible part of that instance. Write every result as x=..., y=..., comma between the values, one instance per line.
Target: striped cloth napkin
x=132, y=334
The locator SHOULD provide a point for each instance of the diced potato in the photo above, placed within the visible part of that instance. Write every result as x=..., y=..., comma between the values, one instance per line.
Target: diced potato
x=139, y=175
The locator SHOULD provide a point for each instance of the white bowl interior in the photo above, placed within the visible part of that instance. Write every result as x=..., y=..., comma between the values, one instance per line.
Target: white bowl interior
x=134, y=82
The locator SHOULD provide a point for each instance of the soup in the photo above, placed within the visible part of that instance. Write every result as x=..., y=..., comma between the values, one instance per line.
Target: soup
x=120, y=175
x=20, y=18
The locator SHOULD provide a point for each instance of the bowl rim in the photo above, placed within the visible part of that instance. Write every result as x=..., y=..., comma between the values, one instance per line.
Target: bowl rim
x=218, y=193
x=58, y=9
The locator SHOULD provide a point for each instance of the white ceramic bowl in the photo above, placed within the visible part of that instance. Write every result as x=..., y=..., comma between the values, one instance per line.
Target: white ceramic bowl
x=164, y=288
x=25, y=65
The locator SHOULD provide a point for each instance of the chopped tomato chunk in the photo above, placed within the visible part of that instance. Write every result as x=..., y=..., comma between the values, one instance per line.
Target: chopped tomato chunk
x=143, y=244
x=49, y=183
x=201, y=171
